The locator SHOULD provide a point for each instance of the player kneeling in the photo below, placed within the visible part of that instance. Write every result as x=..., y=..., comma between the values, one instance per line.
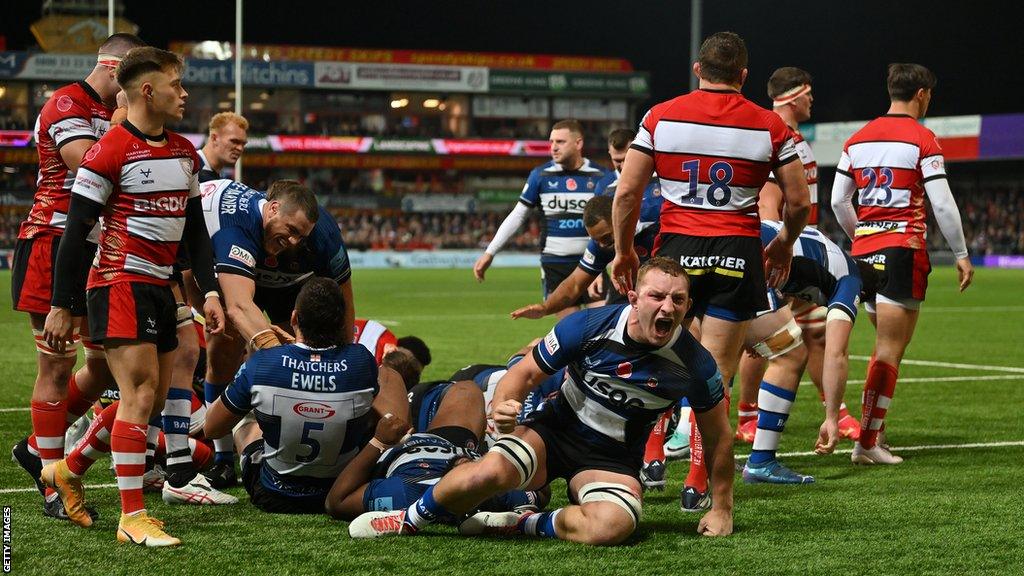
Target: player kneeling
x=626, y=365
x=314, y=401
x=394, y=470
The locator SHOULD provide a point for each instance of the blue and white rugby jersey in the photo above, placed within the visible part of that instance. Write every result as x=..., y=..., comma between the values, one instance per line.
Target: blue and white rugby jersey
x=488, y=380
x=595, y=259
x=562, y=195
x=234, y=220
x=616, y=388
x=322, y=254
x=312, y=406
x=821, y=272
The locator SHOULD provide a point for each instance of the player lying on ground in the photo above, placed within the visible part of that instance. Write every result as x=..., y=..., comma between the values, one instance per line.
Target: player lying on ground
x=626, y=364
x=394, y=470
x=313, y=404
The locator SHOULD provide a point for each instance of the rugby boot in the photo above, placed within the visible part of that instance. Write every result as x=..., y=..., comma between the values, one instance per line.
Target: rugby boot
x=30, y=463
x=153, y=479
x=377, y=524
x=773, y=472
x=197, y=491
x=70, y=489
x=54, y=508
x=222, y=475
x=849, y=428
x=677, y=447
x=142, y=529
x=874, y=455
x=693, y=500
x=745, y=432
x=495, y=523
x=652, y=475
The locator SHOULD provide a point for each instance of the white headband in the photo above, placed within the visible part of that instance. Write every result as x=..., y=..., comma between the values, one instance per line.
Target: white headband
x=791, y=95
x=108, y=60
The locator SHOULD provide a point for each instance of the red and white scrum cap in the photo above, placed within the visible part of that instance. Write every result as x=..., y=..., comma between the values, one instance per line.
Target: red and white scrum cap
x=792, y=94
x=107, y=60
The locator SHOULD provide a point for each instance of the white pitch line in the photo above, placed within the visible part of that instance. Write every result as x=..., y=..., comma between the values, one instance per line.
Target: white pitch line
x=1014, y=369
x=942, y=379
x=1007, y=444
x=974, y=308
x=21, y=409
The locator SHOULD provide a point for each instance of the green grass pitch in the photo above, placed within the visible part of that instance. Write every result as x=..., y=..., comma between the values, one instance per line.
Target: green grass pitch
x=947, y=509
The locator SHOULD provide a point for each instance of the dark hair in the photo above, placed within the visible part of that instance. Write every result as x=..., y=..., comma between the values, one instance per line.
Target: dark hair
x=722, y=58
x=320, y=312
x=621, y=138
x=666, y=265
x=119, y=44
x=405, y=363
x=571, y=125
x=906, y=79
x=417, y=346
x=785, y=79
x=143, y=60
x=868, y=281
x=294, y=195
x=597, y=209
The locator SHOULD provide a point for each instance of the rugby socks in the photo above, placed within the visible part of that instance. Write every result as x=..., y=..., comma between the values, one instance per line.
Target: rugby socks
x=539, y=524
x=128, y=448
x=96, y=442
x=202, y=456
x=878, y=390
x=152, y=439
x=774, y=405
x=176, y=419
x=48, y=423
x=423, y=512
x=697, y=477
x=76, y=405
x=747, y=412
x=655, y=448
x=223, y=446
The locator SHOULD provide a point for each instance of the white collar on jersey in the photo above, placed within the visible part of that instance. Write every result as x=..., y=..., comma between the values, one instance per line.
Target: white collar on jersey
x=310, y=348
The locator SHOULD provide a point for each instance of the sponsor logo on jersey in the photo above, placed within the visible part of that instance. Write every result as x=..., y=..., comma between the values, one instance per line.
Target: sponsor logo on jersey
x=64, y=103
x=207, y=189
x=624, y=370
x=242, y=255
x=313, y=410
x=589, y=257
x=615, y=396
x=552, y=183
x=165, y=204
x=652, y=382
x=186, y=165
x=558, y=202
x=551, y=343
x=937, y=164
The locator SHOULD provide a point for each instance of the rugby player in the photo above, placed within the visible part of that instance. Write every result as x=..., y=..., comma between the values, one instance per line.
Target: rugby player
x=560, y=188
x=225, y=141
x=713, y=150
x=70, y=122
x=625, y=365
x=143, y=180
x=892, y=163
x=393, y=470
x=314, y=403
x=790, y=91
x=265, y=247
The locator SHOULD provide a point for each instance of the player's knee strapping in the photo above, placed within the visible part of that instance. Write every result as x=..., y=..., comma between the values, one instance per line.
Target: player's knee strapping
x=783, y=340
x=70, y=351
x=520, y=454
x=618, y=494
x=93, y=351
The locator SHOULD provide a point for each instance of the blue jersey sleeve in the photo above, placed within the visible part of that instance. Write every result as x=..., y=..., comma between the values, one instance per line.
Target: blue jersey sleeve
x=238, y=396
x=235, y=252
x=332, y=257
x=562, y=344
x=531, y=191
x=705, y=389
x=595, y=259
x=846, y=296
x=610, y=177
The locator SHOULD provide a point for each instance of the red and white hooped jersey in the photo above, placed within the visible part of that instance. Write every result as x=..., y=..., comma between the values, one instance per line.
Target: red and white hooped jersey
x=803, y=150
x=73, y=112
x=713, y=151
x=375, y=337
x=889, y=160
x=144, y=189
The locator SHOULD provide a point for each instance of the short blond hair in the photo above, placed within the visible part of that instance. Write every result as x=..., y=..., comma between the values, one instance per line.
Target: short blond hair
x=222, y=119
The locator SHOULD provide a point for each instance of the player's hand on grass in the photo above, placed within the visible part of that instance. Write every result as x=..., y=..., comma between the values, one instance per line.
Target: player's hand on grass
x=505, y=416
x=965, y=271
x=778, y=256
x=623, y=271
x=213, y=313
x=391, y=429
x=828, y=436
x=58, y=328
x=481, y=266
x=715, y=523
x=533, y=312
